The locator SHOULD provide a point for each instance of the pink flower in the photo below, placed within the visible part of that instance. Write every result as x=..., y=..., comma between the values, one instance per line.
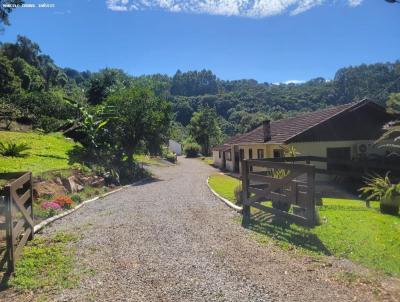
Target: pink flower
x=51, y=205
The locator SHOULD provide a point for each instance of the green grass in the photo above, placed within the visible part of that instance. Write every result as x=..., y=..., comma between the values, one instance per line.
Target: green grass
x=149, y=160
x=48, y=152
x=224, y=185
x=349, y=230
x=207, y=160
x=46, y=264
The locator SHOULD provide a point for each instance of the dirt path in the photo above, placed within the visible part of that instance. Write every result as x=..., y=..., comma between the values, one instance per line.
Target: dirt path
x=172, y=240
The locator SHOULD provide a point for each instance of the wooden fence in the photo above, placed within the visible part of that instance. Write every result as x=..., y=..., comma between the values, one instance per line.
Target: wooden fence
x=290, y=181
x=353, y=168
x=16, y=219
x=285, y=184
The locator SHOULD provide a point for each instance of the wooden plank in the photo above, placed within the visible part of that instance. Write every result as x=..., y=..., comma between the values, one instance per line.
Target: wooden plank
x=263, y=178
x=245, y=187
x=350, y=163
x=19, y=229
x=257, y=191
x=258, y=177
x=285, y=181
x=24, y=212
x=23, y=198
x=310, y=207
x=9, y=231
x=279, y=165
x=22, y=243
x=31, y=207
x=22, y=180
x=273, y=196
x=294, y=218
x=256, y=198
x=302, y=199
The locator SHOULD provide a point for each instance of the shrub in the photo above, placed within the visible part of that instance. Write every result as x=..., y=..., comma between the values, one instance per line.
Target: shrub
x=381, y=188
x=76, y=198
x=79, y=167
x=239, y=195
x=64, y=201
x=192, y=150
x=49, y=124
x=171, y=158
x=13, y=149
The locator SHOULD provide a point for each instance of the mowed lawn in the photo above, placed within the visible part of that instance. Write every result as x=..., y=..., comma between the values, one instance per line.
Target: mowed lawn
x=224, y=185
x=349, y=230
x=48, y=152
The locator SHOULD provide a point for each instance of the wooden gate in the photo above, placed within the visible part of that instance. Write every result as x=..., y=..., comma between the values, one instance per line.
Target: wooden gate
x=290, y=187
x=17, y=216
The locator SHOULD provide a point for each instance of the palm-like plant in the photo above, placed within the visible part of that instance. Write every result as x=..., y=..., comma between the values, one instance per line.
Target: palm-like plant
x=391, y=137
x=381, y=188
x=13, y=149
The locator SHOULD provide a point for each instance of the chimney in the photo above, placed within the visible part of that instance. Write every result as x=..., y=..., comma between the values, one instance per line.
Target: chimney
x=267, y=130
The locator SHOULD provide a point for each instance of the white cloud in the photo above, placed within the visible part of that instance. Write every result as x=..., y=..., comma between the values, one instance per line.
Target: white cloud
x=244, y=8
x=354, y=3
x=294, y=82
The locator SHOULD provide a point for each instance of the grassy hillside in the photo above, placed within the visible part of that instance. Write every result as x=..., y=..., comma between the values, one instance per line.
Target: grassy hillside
x=48, y=152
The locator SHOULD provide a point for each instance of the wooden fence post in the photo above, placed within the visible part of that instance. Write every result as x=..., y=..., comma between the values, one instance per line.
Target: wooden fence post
x=9, y=230
x=31, y=204
x=311, y=215
x=245, y=187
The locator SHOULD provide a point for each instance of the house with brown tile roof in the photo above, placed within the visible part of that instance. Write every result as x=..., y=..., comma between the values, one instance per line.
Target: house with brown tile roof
x=342, y=132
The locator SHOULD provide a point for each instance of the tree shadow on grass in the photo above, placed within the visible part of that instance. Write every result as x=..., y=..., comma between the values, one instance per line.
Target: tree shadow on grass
x=286, y=232
x=50, y=156
x=4, y=279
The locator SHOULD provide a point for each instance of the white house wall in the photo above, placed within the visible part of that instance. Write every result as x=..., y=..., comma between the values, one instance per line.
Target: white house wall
x=319, y=149
x=303, y=149
x=217, y=160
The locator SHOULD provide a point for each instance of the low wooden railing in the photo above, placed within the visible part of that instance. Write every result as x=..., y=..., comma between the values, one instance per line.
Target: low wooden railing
x=17, y=216
x=288, y=184
x=354, y=168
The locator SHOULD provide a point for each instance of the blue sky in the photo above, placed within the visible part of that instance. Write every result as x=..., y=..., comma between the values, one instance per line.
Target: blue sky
x=267, y=40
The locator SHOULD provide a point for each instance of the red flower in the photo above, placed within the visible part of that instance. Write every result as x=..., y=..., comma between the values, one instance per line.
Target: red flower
x=64, y=201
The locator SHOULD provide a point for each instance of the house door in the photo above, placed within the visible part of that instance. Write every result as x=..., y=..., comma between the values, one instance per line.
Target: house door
x=223, y=160
x=338, y=153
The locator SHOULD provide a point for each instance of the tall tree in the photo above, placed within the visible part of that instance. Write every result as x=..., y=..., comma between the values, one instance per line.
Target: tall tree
x=9, y=82
x=138, y=115
x=106, y=82
x=393, y=103
x=193, y=83
x=6, y=6
x=204, y=128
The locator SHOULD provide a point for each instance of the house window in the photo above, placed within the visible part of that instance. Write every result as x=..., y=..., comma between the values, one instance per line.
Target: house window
x=250, y=153
x=241, y=154
x=228, y=155
x=260, y=153
x=341, y=154
x=278, y=153
x=219, y=154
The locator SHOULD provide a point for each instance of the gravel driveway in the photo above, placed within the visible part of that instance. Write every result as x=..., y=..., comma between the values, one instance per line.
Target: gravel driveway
x=172, y=240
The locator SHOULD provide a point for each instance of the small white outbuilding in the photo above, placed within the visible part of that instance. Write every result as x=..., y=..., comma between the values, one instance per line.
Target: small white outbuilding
x=175, y=147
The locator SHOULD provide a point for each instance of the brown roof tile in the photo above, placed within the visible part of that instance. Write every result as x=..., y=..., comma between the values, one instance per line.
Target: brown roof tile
x=284, y=130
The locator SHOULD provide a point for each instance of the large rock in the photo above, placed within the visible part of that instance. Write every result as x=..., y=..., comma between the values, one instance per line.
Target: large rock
x=98, y=182
x=71, y=184
x=46, y=188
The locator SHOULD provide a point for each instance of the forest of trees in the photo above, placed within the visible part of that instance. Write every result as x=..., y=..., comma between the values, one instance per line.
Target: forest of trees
x=36, y=90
